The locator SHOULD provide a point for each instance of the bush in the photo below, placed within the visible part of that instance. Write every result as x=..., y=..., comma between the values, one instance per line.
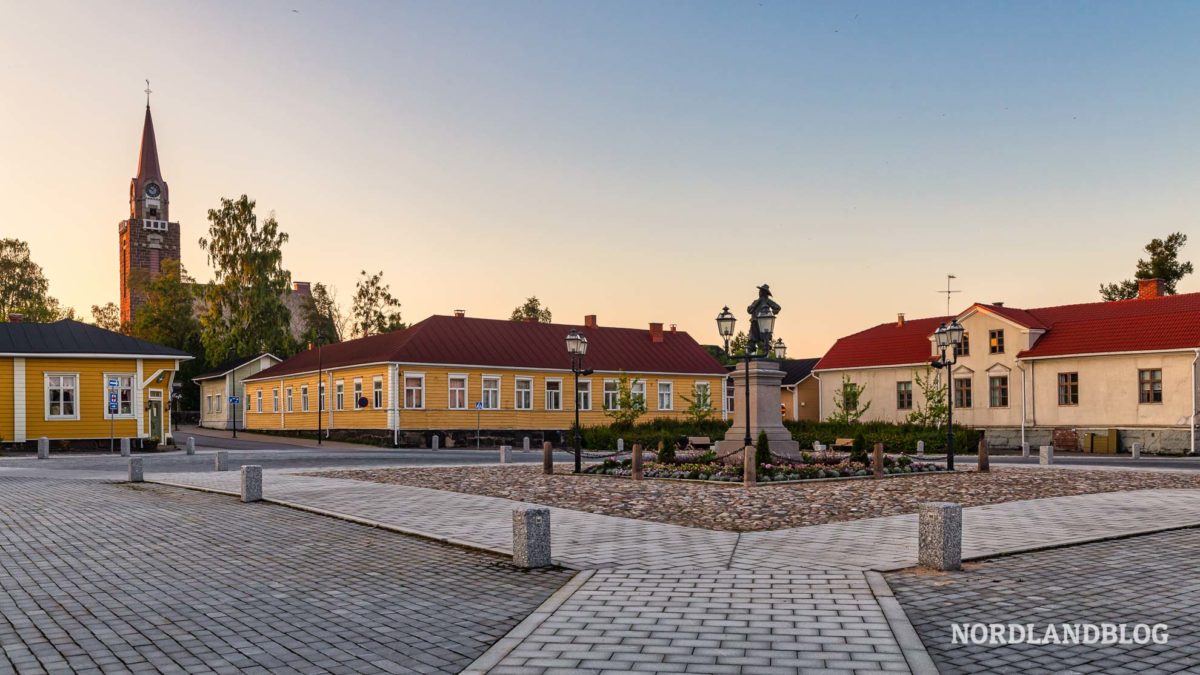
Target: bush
x=666, y=452
x=901, y=438
x=762, y=449
x=605, y=437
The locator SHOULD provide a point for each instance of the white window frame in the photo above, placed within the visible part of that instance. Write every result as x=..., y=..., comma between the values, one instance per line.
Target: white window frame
x=670, y=392
x=451, y=390
x=585, y=387
x=132, y=388
x=421, y=390
x=484, y=390
x=304, y=398
x=274, y=399
x=258, y=400
x=339, y=394
x=377, y=392
x=634, y=385
x=321, y=396
x=616, y=393
x=217, y=400
x=358, y=390
x=74, y=400
x=548, y=391
x=289, y=399
x=517, y=393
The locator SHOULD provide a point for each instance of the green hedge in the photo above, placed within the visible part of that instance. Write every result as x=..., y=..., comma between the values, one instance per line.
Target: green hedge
x=895, y=437
x=650, y=433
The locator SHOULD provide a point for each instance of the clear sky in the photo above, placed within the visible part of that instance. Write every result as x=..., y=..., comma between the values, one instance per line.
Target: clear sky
x=643, y=161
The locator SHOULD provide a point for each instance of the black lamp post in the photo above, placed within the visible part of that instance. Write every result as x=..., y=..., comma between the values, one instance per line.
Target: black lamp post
x=949, y=340
x=320, y=386
x=764, y=318
x=577, y=346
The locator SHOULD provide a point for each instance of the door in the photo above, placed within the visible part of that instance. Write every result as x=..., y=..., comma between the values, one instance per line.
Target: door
x=155, y=411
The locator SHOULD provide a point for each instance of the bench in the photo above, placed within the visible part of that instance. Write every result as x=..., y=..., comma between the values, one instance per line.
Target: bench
x=844, y=443
x=698, y=443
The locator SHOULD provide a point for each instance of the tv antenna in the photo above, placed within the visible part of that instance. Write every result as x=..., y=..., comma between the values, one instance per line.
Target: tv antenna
x=949, y=291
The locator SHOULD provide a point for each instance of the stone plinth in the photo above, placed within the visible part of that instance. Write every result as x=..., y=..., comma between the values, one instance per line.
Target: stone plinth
x=125, y=447
x=191, y=445
x=135, y=470
x=1046, y=456
x=252, y=483
x=221, y=460
x=43, y=448
x=764, y=414
x=531, y=536
x=939, y=533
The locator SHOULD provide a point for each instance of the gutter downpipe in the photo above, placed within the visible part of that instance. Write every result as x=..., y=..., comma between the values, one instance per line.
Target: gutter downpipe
x=1193, y=429
x=820, y=398
x=1024, y=396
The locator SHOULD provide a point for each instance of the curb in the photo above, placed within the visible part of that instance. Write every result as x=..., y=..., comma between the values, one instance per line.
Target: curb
x=504, y=646
x=902, y=629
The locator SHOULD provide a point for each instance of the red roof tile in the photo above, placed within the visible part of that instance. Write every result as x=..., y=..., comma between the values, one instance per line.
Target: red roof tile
x=498, y=343
x=884, y=345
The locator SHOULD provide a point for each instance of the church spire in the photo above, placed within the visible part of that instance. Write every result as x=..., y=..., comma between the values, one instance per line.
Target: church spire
x=148, y=159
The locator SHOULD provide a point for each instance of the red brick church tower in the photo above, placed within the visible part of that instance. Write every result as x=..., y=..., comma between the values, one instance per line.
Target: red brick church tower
x=148, y=237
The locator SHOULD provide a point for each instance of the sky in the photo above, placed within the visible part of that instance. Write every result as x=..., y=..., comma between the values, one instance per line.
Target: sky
x=645, y=161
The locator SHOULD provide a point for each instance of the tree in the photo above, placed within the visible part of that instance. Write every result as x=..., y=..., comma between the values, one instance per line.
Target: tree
x=532, y=310
x=107, y=316
x=323, y=316
x=848, y=408
x=932, y=409
x=737, y=346
x=700, y=407
x=630, y=406
x=245, y=313
x=167, y=316
x=1163, y=264
x=374, y=311
x=23, y=286
x=762, y=449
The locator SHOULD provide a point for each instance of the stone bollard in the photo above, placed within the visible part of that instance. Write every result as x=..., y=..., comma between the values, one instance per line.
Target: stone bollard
x=816, y=446
x=252, y=483
x=436, y=441
x=531, y=536
x=526, y=443
x=920, y=448
x=749, y=467
x=135, y=470
x=939, y=536
x=191, y=445
x=877, y=460
x=984, y=466
x=43, y=448
x=548, y=458
x=505, y=454
x=1046, y=456
x=1024, y=449
x=637, y=461
x=221, y=460
x=1136, y=451
x=125, y=446
x=620, y=445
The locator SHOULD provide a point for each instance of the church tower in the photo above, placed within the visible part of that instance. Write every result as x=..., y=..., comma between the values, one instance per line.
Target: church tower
x=148, y=237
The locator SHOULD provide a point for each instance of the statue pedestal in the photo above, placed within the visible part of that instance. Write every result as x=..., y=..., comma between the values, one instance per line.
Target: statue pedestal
x=764, y=414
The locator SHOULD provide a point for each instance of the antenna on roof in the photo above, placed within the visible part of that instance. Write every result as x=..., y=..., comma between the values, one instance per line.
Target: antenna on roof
x=948, y=292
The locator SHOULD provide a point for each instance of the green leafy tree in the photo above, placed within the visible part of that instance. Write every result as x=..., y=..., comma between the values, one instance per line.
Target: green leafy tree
x=532, y=310
x=1163, y=264
x=323, y=318
x=931, y=410
x=849, y=407
x=700, y=408
x=168, y=317
x=108, y=317
x=245, y=313
x=375, y=310
x=737, y=346
x=24, y=288
x=630, y=406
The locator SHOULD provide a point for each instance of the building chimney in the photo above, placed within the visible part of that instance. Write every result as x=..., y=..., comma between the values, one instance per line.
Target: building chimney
x=589, y=321
x=672, y=328
x=1150, y=288
x=656, y=332
x=900, y=320
x=530, y=319
x=460, y=313
x=302, y=287
x=15, y=317
x=997, y=304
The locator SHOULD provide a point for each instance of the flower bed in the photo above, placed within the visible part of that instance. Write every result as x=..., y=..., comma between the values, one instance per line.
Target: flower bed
x=810, y=468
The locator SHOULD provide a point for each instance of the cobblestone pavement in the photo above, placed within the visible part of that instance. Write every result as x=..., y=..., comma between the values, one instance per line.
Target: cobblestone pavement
x=123, y=578
x=1149, y=579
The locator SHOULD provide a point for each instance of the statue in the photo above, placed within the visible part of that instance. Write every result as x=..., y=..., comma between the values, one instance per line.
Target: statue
x=756, y=340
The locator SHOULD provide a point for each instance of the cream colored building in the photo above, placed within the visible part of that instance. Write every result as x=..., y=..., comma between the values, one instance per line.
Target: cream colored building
x=1024, y=375
x=225, y=381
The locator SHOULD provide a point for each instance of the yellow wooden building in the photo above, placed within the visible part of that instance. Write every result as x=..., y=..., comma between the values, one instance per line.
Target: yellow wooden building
x=73, y=381
x=455, y=375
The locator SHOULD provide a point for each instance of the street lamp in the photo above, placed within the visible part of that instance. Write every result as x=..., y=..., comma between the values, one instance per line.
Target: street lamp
x=577, y=346
x=780, y=349
x=762, y=315
x=320, y=385
x=948, y=339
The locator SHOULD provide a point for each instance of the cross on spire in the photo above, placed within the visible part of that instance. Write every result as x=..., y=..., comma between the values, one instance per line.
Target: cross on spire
x=148, y=92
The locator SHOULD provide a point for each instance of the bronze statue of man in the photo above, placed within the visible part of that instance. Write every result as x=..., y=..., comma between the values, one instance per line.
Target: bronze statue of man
x=756, y=339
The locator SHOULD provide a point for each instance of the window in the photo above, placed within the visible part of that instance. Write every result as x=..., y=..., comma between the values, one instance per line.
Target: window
x=637, y=390
x=62, y=394
x=998, y=391
x=124, y=392
x=666, y=395
x=491, y=392
x=208, y=403
x=287, y=399
x=321, y=396
x=1150, y=386
x=904, y=399
x=700, y=387
x=304, y=398
x=414, y=391
x=965, y=348
x=612, y=394
x=962, y=392
x=217, y=401
x=1068, y=388
x=357, y=392
x=274, y=399
x=458, y=392
x=377, y=392
x=729, y=391
x=553, y=394
x=524, y=400
x=339, y=394
x=258, y=400
x=996, y=341
x=583, y=396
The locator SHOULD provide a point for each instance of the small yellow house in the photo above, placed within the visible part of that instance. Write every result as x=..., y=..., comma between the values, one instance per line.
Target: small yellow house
x=456, y=376
x=224, y=382
x=73, y=381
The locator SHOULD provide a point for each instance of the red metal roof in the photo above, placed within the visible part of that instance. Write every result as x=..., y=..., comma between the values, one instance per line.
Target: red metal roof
x=1151, y=324
x=498, y=343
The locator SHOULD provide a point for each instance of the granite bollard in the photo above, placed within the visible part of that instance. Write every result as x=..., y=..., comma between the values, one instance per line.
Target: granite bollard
x=984, y=465
x=920, y=448
x=939, y=536
x=1046, y=455
x=191, y=445
x=221, y=460
x=749, y=467
x=526, y=443
x=877, y=460
x=1136, y=451
x=135, y=470
x=505, y=454
x=436, y=441
x=531, y=536
x=125, y=447
x=637, y=461
x=43, y=448
x=620, y=445
x=1024, y=449
x=548, y=458
x=252, y=483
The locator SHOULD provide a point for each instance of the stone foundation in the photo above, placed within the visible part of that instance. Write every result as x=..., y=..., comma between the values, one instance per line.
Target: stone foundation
x=1174, y=441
